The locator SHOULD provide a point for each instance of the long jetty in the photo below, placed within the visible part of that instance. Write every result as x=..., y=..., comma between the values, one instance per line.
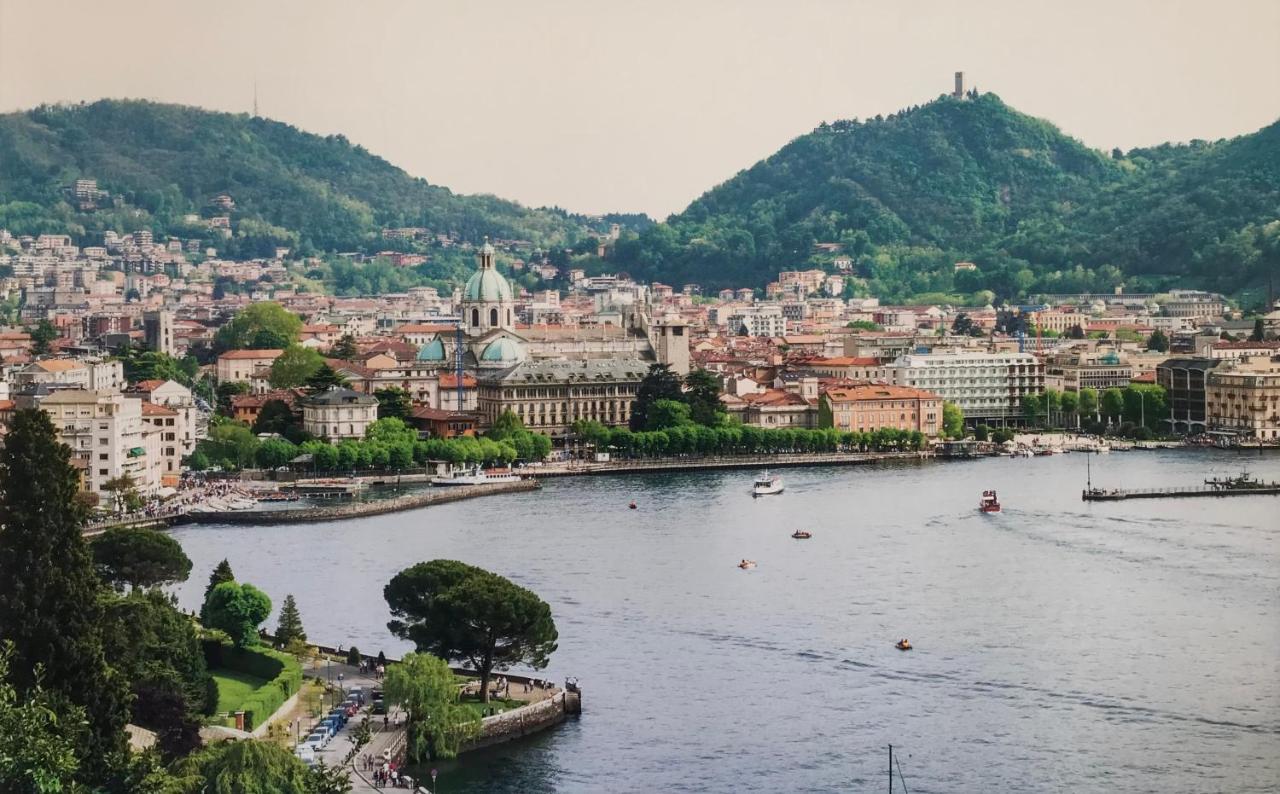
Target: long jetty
x=1120, y=494
x=714, y=462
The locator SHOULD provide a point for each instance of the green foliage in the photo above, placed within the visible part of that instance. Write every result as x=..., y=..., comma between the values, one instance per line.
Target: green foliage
x=659, y=383
x=156, y=648
x=140, y=365
x=325, y=378
x=666, y=414
x=259, y=326
x=460, y=612
x=702, y=393
x=238, y=609
x=427, y=689
x=295, y=366
x=277, y=417
x=1158, y=341
x=139, y=557
x=1112, y=404
x=221, y=573
x=911, y=194
x=274, y=452
x=226, y=391
x=394, y=402
x=309, y=192
x=246, y=768
x=345, y=348
x=39, y=734
x=290, y=626
x=230, y=445
x=55, y=621
x=41, y=336
x=864, y=325
x=280, y=672
x=952, y=420
x=509, y=431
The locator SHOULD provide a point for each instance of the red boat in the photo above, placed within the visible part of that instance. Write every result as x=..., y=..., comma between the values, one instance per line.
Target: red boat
x=989, y=503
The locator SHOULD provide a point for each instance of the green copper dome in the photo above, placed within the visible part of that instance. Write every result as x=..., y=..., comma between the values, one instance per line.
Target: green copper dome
x=486, y=285
x=432, y=351
x=502, y=350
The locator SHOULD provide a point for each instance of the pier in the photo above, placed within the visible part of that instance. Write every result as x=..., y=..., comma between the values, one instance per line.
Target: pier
x=1120, y=494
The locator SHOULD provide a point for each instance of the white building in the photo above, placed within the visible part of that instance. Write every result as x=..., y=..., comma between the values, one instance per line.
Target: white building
x=108, y=438
x=758, y=320
x=986, y=386
x=338, y=414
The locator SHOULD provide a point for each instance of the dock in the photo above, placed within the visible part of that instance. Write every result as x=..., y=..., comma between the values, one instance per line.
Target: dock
x=1120, y=494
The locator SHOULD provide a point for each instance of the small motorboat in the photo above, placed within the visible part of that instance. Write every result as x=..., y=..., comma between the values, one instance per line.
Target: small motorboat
x=988, y=503
x=766, y=484
x=632, y=505
x=747, y=565
x=802, y=534
x=903, y=644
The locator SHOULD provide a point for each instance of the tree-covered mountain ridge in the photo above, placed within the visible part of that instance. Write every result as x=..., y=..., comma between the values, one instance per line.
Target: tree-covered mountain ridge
x=161, y=163
x=909, y=195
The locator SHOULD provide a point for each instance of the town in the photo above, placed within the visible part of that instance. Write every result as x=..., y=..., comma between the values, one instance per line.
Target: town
x=149, y=354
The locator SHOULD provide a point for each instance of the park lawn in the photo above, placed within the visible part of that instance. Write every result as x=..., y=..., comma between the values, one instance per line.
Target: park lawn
x=234, y=688
x=482, y=709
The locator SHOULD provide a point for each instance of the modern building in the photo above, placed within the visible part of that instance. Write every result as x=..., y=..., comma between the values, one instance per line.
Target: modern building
x=338, y=414
x=868, y=408
x=1243, y=402
x=1073, y=371
x=986, y=386
x=1185, y=381
x=550, y=395
x=758, y=320
x=108, y=438
x=157, y=330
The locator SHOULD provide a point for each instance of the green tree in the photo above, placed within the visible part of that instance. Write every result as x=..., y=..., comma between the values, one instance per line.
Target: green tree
x=394, y=402
x=1259, y=331
x=39, y=734
x=139, y=557
x=325, y=378
x=952, y=420
x=666, y=414
x=42, y=337
x=157, y=649
x=344, y=349
x=230, y=445
x=459, y=612
x=278, y=417
x=124, y=492
x=1158, y=341
x=49, y=594
x=659, y=383
x=702, y=392
x=246, y=768
x=290, y=626
x=259, y=325
x=1087, y=404
x=274, y=452
x=1112, y=404
x=294, y=367
x=226, y=392
x=237, y=609
x=221, y=573
x=427, y=690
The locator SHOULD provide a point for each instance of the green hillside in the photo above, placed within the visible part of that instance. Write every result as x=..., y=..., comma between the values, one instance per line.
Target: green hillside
x=974, y=180
x=161, y=162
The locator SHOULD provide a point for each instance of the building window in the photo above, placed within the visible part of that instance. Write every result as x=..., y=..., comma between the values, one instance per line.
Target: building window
x=475, y=318
x=493, y=317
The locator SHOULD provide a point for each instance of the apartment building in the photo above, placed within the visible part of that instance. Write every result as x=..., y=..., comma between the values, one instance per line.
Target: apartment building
x=1074, y=371
x=239, y=366
x=1244, y=401
x=758, y=320
x=870, y=407
x=338, y=414
x=986, y=386
x=108, y=438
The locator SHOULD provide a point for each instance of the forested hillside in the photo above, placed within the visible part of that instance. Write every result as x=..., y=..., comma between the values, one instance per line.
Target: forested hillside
x=161, y=162
x=974, y=180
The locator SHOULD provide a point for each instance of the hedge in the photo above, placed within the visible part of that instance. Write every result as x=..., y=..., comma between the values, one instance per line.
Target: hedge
x=281, y=671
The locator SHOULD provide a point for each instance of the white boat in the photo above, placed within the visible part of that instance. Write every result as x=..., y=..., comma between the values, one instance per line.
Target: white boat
x=476, y=476
x=766, y=484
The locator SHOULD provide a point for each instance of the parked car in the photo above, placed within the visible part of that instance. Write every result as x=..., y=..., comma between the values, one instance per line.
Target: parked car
x=316, y=740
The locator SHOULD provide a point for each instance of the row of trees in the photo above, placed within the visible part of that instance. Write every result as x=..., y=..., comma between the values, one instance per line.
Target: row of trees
x=388, y=444
x=1135, y=406
x=691, y=439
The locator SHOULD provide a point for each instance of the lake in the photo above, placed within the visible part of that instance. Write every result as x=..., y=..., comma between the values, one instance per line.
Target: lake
x=1059, y=645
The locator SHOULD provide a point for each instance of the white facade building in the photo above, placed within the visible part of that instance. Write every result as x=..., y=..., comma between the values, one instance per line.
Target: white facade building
x=986, y=386
x=108, y=438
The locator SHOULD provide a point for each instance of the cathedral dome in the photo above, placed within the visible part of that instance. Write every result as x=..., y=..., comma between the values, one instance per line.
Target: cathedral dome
x=486, y=285
x=502, y=351
x=432, y=351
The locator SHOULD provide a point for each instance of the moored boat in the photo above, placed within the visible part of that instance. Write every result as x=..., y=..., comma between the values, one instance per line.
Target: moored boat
x=989, y=503
x=766, y=484
x=476, y=476
x=802, y=534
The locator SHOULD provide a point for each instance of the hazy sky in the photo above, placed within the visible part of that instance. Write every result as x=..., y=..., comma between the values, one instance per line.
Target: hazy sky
x=641, y=106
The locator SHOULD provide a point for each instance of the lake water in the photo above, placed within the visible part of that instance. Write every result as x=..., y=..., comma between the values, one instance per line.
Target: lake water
x=1060, y=645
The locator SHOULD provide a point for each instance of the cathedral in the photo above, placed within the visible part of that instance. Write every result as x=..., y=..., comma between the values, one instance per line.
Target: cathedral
x=550, y=376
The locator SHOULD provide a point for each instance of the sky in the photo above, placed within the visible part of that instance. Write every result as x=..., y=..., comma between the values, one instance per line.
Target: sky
x=604, y=105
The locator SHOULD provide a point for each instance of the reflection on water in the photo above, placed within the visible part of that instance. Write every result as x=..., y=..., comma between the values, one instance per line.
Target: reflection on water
x=1060, y=645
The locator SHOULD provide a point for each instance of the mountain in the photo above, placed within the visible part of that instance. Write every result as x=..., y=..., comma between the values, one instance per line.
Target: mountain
x=972, y=179
x=162, y=162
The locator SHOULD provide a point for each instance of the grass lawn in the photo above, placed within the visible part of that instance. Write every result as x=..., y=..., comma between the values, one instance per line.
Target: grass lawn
x=234, y=688
x=482, y=709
